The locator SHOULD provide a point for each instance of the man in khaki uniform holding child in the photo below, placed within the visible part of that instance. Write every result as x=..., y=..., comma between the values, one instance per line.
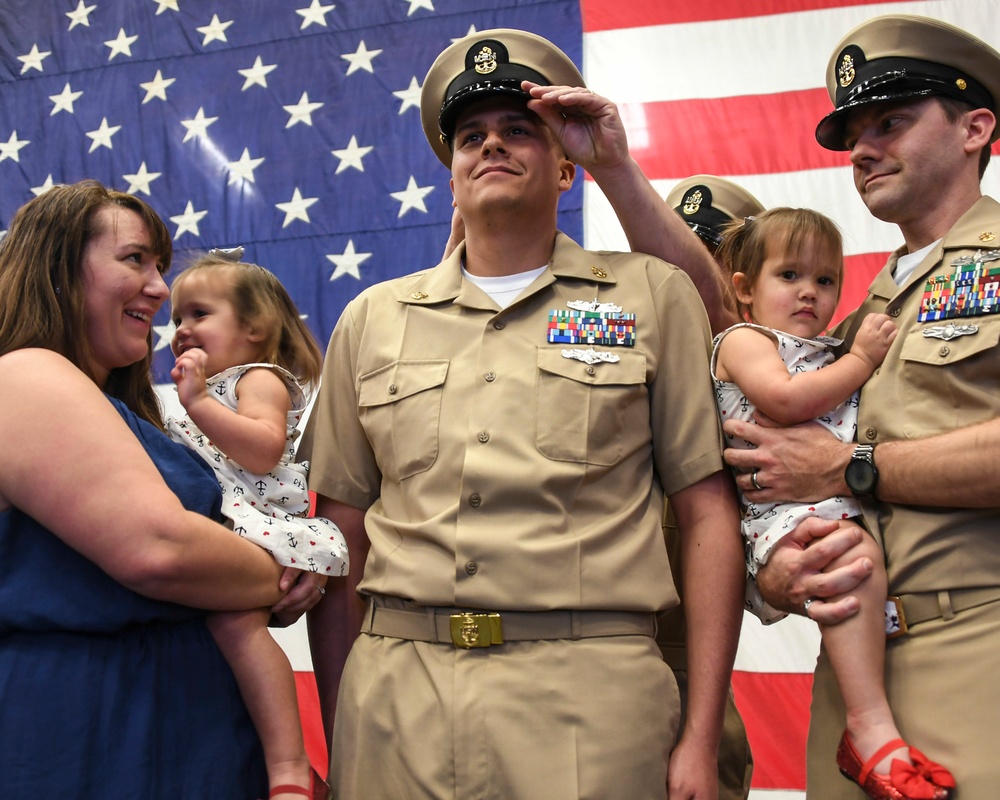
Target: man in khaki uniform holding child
x=915, y=106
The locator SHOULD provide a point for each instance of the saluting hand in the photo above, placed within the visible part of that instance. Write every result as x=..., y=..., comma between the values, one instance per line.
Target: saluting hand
x=587, y=125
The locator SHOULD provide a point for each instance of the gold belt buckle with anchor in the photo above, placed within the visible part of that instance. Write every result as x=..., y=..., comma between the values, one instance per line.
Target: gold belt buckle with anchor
x=470, y=630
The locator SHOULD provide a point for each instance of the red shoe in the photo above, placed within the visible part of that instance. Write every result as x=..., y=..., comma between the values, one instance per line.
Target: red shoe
x=318, y=790
x=921, y=780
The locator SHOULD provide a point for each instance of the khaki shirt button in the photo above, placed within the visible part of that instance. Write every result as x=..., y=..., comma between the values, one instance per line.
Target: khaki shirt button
x=392, y=388
x=484, y=437
x=895, y=312
x=490, y=377
x=472, y=567
x=475, y=500
x=591, y=371
x=944, y=350
x=871, y=433
x=499, y=325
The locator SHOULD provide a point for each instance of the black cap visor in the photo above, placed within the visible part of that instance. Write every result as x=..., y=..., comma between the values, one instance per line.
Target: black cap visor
x=896, y=80
x=471, y=86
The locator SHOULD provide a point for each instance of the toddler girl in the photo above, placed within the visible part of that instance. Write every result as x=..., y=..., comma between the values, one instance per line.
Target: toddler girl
x=243, y=356
x=787, y=271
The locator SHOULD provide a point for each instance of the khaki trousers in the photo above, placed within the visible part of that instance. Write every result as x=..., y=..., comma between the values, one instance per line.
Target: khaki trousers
x=554, y=719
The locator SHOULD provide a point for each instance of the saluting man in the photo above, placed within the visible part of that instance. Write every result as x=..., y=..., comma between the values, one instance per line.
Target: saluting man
x=495, y=436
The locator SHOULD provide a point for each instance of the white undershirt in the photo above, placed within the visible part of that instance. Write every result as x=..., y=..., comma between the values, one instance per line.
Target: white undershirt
x=906, y=264
x=504, y=289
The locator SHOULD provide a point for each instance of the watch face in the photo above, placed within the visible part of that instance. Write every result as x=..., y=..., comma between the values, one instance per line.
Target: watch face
x=860, y=476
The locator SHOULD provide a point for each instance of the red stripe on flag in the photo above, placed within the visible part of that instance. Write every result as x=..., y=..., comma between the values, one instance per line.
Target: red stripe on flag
x=602, y=15
x=775, y=709
x=747, y=135
x=859, y=270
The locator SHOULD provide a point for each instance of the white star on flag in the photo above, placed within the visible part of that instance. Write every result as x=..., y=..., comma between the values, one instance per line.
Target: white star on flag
x=80, y=15
x=12, y=147
x=348, y=262
x=243, y=169
x=163, y=5
x=351, y=156
x=361, y=59
x=197, y=126
x=415, y=4
x=48, y=184
x=164, y=334
x=121, y=45
x=64, y=100
x=412, y=197
x=157, y=87
x=296, y=207
x=188, y=221
x=215, y=31
x=316, y=13
x=410, y=95
x=139, y=182
x=257, y=74
x=33, y=60
x=301, y=111
x=102, y=136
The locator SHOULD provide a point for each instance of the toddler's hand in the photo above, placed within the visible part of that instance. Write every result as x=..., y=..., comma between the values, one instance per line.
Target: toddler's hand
x=189, y=375
x=873, y=338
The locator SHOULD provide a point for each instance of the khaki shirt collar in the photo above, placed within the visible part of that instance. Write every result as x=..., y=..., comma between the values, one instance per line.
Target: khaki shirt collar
x=445, y=284
x=964, y=235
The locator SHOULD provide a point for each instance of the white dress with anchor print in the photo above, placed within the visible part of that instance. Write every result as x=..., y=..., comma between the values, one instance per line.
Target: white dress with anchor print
x=269, y=509
x=764, y=524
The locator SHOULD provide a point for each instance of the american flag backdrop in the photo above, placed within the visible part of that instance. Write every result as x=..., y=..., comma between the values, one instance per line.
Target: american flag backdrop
x=291, y=127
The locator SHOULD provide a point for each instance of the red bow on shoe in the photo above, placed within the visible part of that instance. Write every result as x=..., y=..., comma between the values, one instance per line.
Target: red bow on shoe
x=923, y=779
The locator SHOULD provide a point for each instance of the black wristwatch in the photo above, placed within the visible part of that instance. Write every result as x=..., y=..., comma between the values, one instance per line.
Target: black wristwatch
x=861, y=474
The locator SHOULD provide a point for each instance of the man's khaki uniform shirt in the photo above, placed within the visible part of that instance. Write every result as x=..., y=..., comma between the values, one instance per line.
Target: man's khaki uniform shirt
x=929, y=385
x=497, y=473
x=938, y=679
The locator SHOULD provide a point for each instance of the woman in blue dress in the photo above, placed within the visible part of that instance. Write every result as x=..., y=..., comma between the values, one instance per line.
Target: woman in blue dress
x=110, y=685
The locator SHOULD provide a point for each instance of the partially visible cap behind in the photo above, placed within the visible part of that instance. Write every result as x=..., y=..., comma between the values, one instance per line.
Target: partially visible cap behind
x=707, y=203
x=899, y=56
x=484, y=63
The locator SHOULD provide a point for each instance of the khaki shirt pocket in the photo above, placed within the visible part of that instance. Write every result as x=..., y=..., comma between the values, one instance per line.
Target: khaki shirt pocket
x=591, y=413
x=400, y=408
x=919, y=350
x=948, y=383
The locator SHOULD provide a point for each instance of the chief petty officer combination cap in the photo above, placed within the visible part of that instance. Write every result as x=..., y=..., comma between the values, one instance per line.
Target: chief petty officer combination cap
x=488, y=62
x=706, y=203
x=898, y=57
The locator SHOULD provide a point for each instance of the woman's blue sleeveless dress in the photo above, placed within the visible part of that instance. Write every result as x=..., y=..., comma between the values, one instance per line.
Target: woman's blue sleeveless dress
x=105, y=694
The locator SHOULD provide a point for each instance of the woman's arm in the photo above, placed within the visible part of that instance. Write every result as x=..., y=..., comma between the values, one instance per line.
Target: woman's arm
x=64, y=441
x=254, y=435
